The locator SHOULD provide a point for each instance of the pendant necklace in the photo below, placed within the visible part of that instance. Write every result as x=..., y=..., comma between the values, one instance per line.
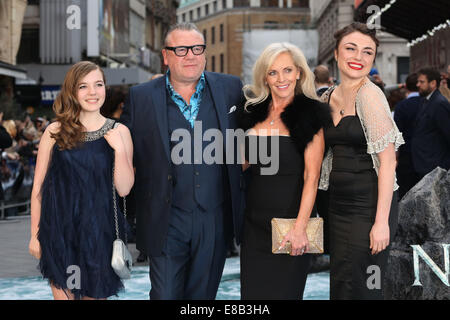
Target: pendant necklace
x=342, y=111
x=273, y=121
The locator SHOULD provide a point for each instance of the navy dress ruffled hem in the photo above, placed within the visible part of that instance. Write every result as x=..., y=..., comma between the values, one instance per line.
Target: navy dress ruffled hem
x=76, y=229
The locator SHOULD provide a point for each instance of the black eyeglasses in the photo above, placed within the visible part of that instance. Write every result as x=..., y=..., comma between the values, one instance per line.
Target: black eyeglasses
x=181, y=51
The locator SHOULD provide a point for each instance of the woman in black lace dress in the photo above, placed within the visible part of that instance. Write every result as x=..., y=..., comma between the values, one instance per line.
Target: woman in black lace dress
x=360, y=171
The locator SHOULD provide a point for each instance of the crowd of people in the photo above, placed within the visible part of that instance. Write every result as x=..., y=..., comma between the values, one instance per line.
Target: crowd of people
x=18, y=159
x=340, y=147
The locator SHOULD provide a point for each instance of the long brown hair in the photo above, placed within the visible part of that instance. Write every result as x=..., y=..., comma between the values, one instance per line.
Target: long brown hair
x=67, y=107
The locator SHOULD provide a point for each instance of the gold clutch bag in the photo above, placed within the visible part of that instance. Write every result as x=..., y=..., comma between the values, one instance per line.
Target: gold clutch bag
x=314, y=232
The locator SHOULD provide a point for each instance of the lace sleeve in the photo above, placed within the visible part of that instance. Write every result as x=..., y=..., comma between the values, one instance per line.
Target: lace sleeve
x=324, y=180
x=328, y=158
x=379, y=127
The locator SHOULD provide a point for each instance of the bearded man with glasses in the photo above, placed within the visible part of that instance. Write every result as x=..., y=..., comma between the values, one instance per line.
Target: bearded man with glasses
x=188, y=212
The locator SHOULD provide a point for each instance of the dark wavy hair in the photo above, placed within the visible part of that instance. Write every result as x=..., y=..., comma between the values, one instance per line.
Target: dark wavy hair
x=356, y=27
x=67, y=108
x=431, y=74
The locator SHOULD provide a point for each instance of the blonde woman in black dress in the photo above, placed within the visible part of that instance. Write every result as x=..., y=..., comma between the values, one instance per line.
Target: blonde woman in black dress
x=282, y=108
x=359, y=169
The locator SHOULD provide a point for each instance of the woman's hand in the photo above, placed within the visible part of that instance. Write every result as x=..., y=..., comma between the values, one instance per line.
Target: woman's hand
x=298, y=241
x=34, y=247
x=379, y=237
x=114, y=139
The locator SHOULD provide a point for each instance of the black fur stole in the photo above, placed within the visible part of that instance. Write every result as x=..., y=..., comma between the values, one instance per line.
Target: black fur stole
x=304, y=117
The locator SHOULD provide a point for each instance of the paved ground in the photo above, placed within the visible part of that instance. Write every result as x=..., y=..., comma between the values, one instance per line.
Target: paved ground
x=15, y=261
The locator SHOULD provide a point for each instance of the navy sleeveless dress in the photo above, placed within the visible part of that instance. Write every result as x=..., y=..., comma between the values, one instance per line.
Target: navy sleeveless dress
x=77, y=229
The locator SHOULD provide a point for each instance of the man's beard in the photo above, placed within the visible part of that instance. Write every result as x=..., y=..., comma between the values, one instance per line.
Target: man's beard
x=424, y=93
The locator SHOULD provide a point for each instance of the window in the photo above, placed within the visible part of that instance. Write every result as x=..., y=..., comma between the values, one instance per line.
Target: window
x=241, y=3
x=402, y=69
x=29, y=47
x=221, y=32
x=137, y=30
x=205, y=34
x=213, y=35
x=206, y=9
x=269, y=3
x=270, y=24
x=222, y=62
x=300, y=4
x=224, y=4
x=191, y=15
x=214, y=6
x=213, y=64
x=183, y=17
x=198, y=13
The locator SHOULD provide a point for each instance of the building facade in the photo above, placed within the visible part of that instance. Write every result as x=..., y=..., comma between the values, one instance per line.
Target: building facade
x=329, y=16
x=424, y=24
x=392, y=61
x=123, y=36
x=223, y=23
x=434, y=52
x=11, y=16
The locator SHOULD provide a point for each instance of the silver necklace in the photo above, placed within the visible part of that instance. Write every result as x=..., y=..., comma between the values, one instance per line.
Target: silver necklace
x=273, y=121
x=342, y=111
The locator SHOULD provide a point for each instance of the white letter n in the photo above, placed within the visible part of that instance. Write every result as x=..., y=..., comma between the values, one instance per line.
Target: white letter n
x=418, y=251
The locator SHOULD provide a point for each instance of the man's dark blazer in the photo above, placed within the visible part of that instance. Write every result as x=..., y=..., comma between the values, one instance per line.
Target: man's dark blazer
x=145, y=114
x=430, y=145
x=405, y=117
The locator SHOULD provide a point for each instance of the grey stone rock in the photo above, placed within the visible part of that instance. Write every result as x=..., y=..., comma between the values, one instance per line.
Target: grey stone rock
x=424, y=219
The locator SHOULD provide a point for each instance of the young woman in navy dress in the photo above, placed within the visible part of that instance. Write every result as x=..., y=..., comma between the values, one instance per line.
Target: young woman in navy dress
x=72, y=214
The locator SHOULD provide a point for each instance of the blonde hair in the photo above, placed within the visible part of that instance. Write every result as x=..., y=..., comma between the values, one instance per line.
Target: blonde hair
x=10, y=127
x=258, y=91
